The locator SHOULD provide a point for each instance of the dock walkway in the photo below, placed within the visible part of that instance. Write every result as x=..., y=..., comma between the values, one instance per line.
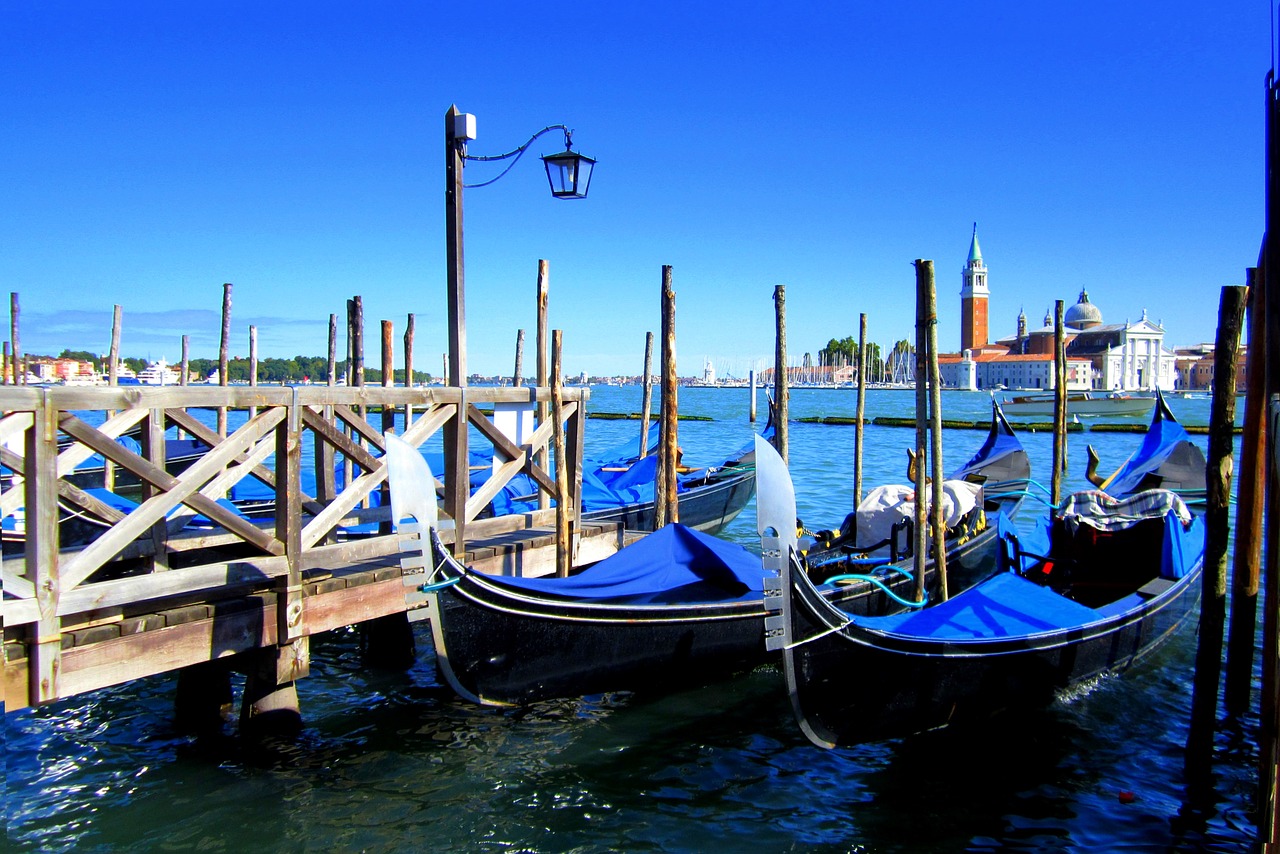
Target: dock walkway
x=150, y=593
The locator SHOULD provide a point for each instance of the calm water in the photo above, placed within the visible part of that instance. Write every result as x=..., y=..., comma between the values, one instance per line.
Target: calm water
x=393, y=761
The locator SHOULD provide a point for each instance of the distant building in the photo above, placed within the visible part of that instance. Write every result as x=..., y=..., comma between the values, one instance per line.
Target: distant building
x=1116, y=357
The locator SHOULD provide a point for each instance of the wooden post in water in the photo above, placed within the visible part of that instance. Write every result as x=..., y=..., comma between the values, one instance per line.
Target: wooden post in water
x=517, y=375
x=223, y=344
x=408, y=366
x=1213, y=604
x=860, y=415
x=564, y=510
x=780, y=390
x=4, y=380
x=388, y=411
x=1247, y=553
x=326, y=479
x=1268, y=806
x=1059, y=403
x=938, y=519
x=19, y=364
x=751, y=381
x=253, y=364
x=920, y=532
x=113, y=378
x=184, y=377
x=113, y=354
x=355, y=375
x=646, y=394
x=666, y=506
x=542, y=295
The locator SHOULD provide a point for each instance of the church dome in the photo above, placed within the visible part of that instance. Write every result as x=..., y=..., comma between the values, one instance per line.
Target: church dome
x=1083, y=314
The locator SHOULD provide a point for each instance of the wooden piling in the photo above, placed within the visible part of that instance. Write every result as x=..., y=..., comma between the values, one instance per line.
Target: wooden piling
x=185, y=371
x=920, y=533
x=751, y=381
x=113, y=355
x=408, y=365
x=666, y=506
x=780, y=390
x=355, y=371
x=1268, y=806
x=1250, y=487
x=938, y=519
x=223, y=344
x=1213, y=604
x=6, y=366
x=1059, y=403
x=646, y=394
x=326, y=478
x=542, y=296
x=517, y=375
x=388, y=412
x=202, y=700
x=860, y=414
x=19, y=366
x=564, y=512
x=113, y=378
x=253, y=364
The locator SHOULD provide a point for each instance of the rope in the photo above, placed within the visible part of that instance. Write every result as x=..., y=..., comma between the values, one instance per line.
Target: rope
x=878, y=582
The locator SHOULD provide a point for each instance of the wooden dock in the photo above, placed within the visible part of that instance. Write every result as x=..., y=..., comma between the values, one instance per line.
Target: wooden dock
x=152, y=593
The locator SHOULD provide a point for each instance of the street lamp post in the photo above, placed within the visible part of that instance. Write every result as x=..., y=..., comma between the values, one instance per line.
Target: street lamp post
x=569, y=174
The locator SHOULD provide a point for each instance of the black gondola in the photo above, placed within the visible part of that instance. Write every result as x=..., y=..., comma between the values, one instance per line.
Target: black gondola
x=676, y=607
x=1098, y=585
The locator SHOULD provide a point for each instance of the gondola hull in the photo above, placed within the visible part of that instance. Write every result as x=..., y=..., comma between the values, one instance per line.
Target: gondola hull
x=495, y=648
x=708, y=507
x=847, y=691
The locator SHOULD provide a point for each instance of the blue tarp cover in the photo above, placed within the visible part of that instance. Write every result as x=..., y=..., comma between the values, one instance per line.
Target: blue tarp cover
x=1007, y=605
x=1162, y=439
x=668, y=559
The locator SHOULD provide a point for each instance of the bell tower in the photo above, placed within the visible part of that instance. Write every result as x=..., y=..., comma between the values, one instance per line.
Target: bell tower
x=973, y=299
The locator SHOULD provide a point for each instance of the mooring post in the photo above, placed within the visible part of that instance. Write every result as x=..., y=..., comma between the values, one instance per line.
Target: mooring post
x=326, y=485
x=113, y=379
x=388, y=411
x=540, y=333
x=19, y=364
x=1268, y=806
x=1059, y=403
x=1247, y=553
x=646, y=394
x=860, y=415
x=938, y=518
x=665, y=506
x=751, y=383
x=920, y=533
x=517, y=374
x=780, y=379
x=408, y=366
x=223, y=346
x=564, y=512
x=269, y=706
x=1213, y=604
x=253, y=365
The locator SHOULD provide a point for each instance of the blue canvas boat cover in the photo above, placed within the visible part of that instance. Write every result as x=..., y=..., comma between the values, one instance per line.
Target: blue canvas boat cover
x=1163, y=438
x=668, y=559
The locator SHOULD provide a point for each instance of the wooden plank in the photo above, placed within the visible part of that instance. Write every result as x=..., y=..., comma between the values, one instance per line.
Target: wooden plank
x=335, y=437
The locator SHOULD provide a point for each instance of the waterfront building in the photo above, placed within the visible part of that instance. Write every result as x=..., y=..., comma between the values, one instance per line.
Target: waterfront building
x=1112, y=357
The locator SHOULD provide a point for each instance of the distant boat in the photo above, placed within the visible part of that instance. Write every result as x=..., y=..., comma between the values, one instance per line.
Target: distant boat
x=159, y=373
x=1086, y=403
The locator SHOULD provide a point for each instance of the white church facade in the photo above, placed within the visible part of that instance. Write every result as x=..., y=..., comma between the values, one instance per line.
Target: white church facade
x=1109, y=357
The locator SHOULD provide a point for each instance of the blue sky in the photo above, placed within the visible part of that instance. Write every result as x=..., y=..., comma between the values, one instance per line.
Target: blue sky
x=155, y=150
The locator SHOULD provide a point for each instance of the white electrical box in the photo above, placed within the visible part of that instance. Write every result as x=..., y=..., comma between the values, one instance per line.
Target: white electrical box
x=464, y=126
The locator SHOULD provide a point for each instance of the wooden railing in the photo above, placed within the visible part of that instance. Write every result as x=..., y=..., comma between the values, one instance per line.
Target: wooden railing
x=151, y=552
